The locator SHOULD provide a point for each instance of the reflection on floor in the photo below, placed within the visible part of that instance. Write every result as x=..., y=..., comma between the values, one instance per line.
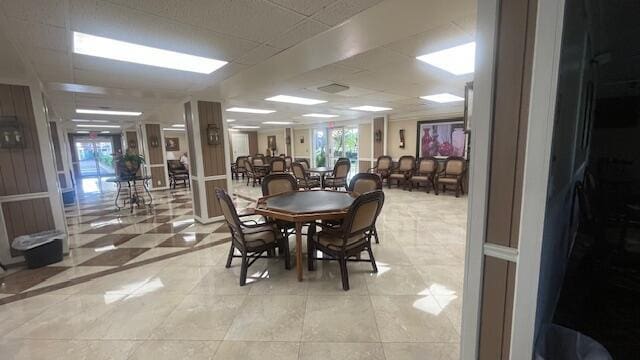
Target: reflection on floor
x=190, y=306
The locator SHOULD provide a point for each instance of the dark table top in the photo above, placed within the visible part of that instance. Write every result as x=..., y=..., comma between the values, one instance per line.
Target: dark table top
x=127, y=179
x=320, y=170
x=301, y=202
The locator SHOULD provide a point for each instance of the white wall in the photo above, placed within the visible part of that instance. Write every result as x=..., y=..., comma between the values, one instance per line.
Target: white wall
x=184, y=146
x=280, y=140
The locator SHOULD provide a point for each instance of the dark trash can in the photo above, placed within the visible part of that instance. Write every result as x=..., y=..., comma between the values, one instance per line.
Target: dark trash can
x=40, y=249
x=68, y=196
x=561, y=343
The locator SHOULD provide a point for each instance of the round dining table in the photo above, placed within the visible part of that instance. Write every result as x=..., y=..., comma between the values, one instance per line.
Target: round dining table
x=322, y=171
x=301, y=207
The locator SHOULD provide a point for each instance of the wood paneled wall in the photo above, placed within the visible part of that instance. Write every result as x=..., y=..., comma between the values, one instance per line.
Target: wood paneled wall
x=378, y=146
x=189, y=121
x=514, y=56
x=132, y=138
x=288, y=138
x=27, y=217
x=21, y=170
x=210, y=113
x=253, y=142
x=55, y=139
x=155, y=156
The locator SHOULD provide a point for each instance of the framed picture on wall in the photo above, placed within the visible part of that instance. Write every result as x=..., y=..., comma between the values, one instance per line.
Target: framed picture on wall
x=468, y=102
x=271, y=143
x=172, y=144
x=441, y=138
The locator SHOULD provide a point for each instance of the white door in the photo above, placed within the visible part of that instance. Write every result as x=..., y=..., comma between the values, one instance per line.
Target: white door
x=240, y=145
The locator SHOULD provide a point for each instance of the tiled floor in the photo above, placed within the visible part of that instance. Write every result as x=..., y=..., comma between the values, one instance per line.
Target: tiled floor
x=190, y=306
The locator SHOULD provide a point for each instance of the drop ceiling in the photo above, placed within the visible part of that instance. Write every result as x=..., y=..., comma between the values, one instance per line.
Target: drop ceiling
x=247, y=34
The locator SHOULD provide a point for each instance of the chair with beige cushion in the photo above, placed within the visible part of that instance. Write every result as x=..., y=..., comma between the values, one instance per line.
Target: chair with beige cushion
x=252, y=240
x=403, y=171
x=426, y=172
x=363, y=183
x=351, y=238
x=303, y=178
x=279, y=183
x=338, y=177
x=239, y=167
x=383, y=167
x=452, y=175
x=278, y=165
x=288, y=161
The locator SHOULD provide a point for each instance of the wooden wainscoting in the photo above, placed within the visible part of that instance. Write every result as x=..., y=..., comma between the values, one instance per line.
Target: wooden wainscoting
x=23, y=217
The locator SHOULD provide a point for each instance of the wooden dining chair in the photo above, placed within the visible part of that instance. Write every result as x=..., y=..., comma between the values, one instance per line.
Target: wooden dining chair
x=278, y=165
x=338, y=177
x=304, y=180
x=403, y=172
x=288, y=160
x=452, y=174
x=363, y=183
x=347, y=242
x=279, y=183
x=252, y=240
x=240, y=168
x=383, y=167
x=426, y=172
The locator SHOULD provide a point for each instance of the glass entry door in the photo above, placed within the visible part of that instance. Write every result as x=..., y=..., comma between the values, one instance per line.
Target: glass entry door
x=95, y=162
x=343, y=143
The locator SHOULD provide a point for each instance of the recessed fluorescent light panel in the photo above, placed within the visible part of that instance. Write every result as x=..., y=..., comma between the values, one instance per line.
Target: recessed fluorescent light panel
x=371, y=108
x=231, y=120
x=105, y=132
x=295, y=100
x=108, y=112
x=93, y=121
x=172, y=129
x=277, y=122
x=320, y=115
x=82, y=132
x=246, y=127
x=458, y=60
x=99, y=126
x=442, y=98
x=98, y=46
x=177, y=125
x=250, y=110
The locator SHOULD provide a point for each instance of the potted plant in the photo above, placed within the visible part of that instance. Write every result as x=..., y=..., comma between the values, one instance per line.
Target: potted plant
x=129, y=164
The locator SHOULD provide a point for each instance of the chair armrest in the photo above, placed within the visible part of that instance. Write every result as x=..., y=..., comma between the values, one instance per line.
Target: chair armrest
x=247, y=212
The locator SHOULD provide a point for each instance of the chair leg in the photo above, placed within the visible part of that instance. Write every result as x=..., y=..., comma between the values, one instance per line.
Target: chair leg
x=458, y=186
x=373, y=260
x=311, y=249
x=344, y=273
x=375, y=235
x=243, y=269
x=284, y=249
x=230, y=257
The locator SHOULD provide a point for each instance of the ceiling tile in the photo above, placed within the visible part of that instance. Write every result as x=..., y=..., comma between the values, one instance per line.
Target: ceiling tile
x=305, y=30
x=50, y=12
x=433, y=40
x=306, y=7
x=38, y=35
x=257, y=55
x=343, y=10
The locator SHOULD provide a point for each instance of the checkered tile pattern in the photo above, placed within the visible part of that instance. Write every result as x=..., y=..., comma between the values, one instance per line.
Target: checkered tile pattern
x=101, y=237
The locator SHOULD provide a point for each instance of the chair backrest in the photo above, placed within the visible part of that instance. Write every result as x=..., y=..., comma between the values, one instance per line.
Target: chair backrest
x=175, y=165
x=454, y=166
x=259, y=155
x=406, y=163
x=427, y=165
x=230, y=214
x=384, y=163
x=240, y=162
x=341, y=169
x=273, y=184
x=278, y=165
x=364, y=182
x=342, y=159
x=258, y=161
x=304, y=163
x=362, y=214
x=298, y=171
x=288, y=160
x=248, y=166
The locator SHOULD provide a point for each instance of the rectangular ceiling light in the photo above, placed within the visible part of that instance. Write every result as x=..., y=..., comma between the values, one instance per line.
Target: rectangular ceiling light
x=320, y=115
x=231, y=120
x=442, y=98
x=82, y=132
x=172, y=129
x=295, y=100
x=98, y=46
x=99, y=126
x=250, y=110
x=246, y=127
x=95, y=121
x=177, y=125
x=108, y=112
x=105, y=132
x=371, y=108
x=458, y=60
x=277, y=122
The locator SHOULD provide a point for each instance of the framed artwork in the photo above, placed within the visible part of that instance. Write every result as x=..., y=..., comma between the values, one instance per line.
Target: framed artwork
x=468, y=102
x=271, y=143
x=172, y=144
x=441, y=138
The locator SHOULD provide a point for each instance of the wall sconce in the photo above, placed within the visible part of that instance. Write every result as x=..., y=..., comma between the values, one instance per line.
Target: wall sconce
x=213, y=134
x=133, y=144
x=288, y=140
x=378, y=135
x=154, y=142
x=401, y=138
x=301, y=139
x=11, y=136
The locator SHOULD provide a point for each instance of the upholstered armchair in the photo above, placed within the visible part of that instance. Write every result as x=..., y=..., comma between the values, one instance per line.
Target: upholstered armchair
x=383, y=167
x=452, y=175
x=426, y=172
x=303, y=178
x=403, y=171
x=339, y=175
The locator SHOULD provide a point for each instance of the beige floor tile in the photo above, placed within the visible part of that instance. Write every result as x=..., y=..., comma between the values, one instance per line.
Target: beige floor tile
x=65, y=349
x=263, y=350
x=171, y=350
x=341, y=351
x=443, y=279
x=412, y=319
x=200, y=317
x=221, y=282
x=396, y=280
x=176, y=279
x=421, y=351
x=326, y=279
x=146, y=241
x=339, y=319
x=15, y=314
x=70, y=274
x=269, y=318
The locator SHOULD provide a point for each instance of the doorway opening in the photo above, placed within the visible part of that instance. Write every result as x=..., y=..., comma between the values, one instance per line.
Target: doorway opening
x=332, y=144
x=94, y=162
